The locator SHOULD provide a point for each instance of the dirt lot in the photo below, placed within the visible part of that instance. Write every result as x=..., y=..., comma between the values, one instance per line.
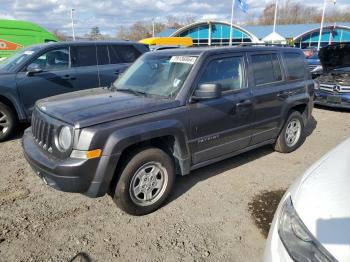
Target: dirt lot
x=206, y=219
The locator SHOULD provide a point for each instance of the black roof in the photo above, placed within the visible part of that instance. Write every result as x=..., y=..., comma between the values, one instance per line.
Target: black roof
x=86, y=42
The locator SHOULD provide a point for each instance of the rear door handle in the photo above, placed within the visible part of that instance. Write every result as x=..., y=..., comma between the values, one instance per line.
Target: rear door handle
x=284, y=94
x=244, y=103
x=119, y=71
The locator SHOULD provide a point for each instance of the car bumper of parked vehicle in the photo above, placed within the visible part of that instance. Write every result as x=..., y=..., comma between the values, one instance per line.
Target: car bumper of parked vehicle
x=274, y=249
x=332, y=100
x=89, y=177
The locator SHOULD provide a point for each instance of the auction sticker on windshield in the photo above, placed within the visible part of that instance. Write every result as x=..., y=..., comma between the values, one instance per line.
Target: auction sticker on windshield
x=183, y=59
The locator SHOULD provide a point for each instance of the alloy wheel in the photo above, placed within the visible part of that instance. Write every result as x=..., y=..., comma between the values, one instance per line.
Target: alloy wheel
x=293, y=132
x=148, y=184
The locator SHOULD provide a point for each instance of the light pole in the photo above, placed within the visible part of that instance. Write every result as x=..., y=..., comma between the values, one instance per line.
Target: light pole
x=274, y=21
x=232, y=9
x=322, y=20
x=71, y=17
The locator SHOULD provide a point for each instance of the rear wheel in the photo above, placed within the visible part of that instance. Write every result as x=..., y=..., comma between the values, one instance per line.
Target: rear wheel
x=8, y=122
x=145, y=182
x=292, y=135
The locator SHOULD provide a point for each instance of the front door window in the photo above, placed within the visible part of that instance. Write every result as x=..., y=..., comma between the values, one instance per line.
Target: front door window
x=52, y=60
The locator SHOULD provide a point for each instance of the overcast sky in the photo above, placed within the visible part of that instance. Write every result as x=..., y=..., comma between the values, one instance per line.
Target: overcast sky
x=108, y=15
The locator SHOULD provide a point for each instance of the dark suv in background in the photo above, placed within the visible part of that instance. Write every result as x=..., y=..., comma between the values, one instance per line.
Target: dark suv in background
x=50, y=69
x=171, y=112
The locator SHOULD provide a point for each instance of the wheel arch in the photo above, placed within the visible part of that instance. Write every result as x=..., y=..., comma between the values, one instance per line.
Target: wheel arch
x=302, y=109
x=10, y=102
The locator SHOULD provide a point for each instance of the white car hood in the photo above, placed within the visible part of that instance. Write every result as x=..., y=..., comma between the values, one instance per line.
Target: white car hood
x=321, y=197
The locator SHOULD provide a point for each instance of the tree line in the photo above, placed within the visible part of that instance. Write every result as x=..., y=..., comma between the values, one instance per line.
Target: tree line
x=294, y=12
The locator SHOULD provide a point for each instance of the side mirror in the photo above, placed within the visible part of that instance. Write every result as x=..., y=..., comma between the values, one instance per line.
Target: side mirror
x=33, y=69
x=207, y=91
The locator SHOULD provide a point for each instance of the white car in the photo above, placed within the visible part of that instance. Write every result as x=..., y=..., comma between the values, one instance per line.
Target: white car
x=312, y=222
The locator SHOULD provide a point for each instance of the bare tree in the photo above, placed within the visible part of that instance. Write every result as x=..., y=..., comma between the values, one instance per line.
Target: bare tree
x=144, y=29
x=95, y=33
x=294, y=12
x=60, y=36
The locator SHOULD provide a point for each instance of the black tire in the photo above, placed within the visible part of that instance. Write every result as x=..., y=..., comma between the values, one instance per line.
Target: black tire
x=8, y=122
x=146, y=160
x=284, y=146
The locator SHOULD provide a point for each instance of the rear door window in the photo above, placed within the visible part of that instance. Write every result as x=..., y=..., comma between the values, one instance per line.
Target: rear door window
x=228, y=71
x=128, y=53
x=295, y=64
x=266, y=68
x=85, y=56
x=102, y=55
x=114, y=55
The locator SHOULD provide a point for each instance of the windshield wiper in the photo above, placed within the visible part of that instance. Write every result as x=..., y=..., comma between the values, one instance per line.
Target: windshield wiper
x=135, y=92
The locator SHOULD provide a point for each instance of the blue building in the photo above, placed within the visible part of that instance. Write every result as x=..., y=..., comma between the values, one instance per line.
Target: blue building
x=303, y=35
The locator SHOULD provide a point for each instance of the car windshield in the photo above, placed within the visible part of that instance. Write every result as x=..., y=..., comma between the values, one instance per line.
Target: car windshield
x=12, y=62
x=156, y=75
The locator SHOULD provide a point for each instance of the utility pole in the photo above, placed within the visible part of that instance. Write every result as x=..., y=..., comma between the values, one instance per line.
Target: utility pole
x=274, y=21
x=71, y=17
x=232, y=9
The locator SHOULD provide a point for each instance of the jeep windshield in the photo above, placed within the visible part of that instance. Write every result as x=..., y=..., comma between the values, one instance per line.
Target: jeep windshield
x=17, y=59
x=156, y=75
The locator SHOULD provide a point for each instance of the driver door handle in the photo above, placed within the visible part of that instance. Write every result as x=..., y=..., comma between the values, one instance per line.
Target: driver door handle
x=244, y=103
x=284, y=94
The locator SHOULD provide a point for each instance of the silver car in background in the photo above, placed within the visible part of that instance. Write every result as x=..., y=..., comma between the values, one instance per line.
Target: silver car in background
x=312, y=222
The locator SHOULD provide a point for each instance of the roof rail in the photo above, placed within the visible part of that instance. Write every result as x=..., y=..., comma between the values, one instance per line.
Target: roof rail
x=264, y=44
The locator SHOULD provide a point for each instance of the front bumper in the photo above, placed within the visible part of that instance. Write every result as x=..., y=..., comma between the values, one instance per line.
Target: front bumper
x=89, y=177
x=274, y=249
x=323, y=99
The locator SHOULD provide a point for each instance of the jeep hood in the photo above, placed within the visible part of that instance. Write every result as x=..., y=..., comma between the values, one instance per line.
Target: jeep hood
x=100, y=105
x=335, y=56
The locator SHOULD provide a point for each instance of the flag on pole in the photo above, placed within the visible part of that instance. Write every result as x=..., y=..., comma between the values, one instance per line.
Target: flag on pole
x=242, y=4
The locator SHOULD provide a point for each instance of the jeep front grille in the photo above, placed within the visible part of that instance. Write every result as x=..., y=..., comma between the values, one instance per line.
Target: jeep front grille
x=42, y=132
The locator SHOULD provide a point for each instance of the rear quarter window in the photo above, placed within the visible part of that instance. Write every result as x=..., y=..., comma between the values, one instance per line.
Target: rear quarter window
x=266, y=68
x=102, y=55
x=295, y=64
x=127, y=53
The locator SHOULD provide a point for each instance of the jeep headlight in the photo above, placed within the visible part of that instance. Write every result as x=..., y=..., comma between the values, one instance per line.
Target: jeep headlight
x=65, y=138
x=300, y=244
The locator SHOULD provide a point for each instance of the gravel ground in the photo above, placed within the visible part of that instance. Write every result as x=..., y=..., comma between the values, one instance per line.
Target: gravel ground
x=206, y=219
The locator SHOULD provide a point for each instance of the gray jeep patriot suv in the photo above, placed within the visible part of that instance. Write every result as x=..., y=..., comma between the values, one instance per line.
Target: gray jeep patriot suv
x=171, y=112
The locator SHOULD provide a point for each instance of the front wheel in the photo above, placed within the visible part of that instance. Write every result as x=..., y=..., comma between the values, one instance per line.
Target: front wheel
x=8, y=122
x=145, y=182
x=292, y=135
